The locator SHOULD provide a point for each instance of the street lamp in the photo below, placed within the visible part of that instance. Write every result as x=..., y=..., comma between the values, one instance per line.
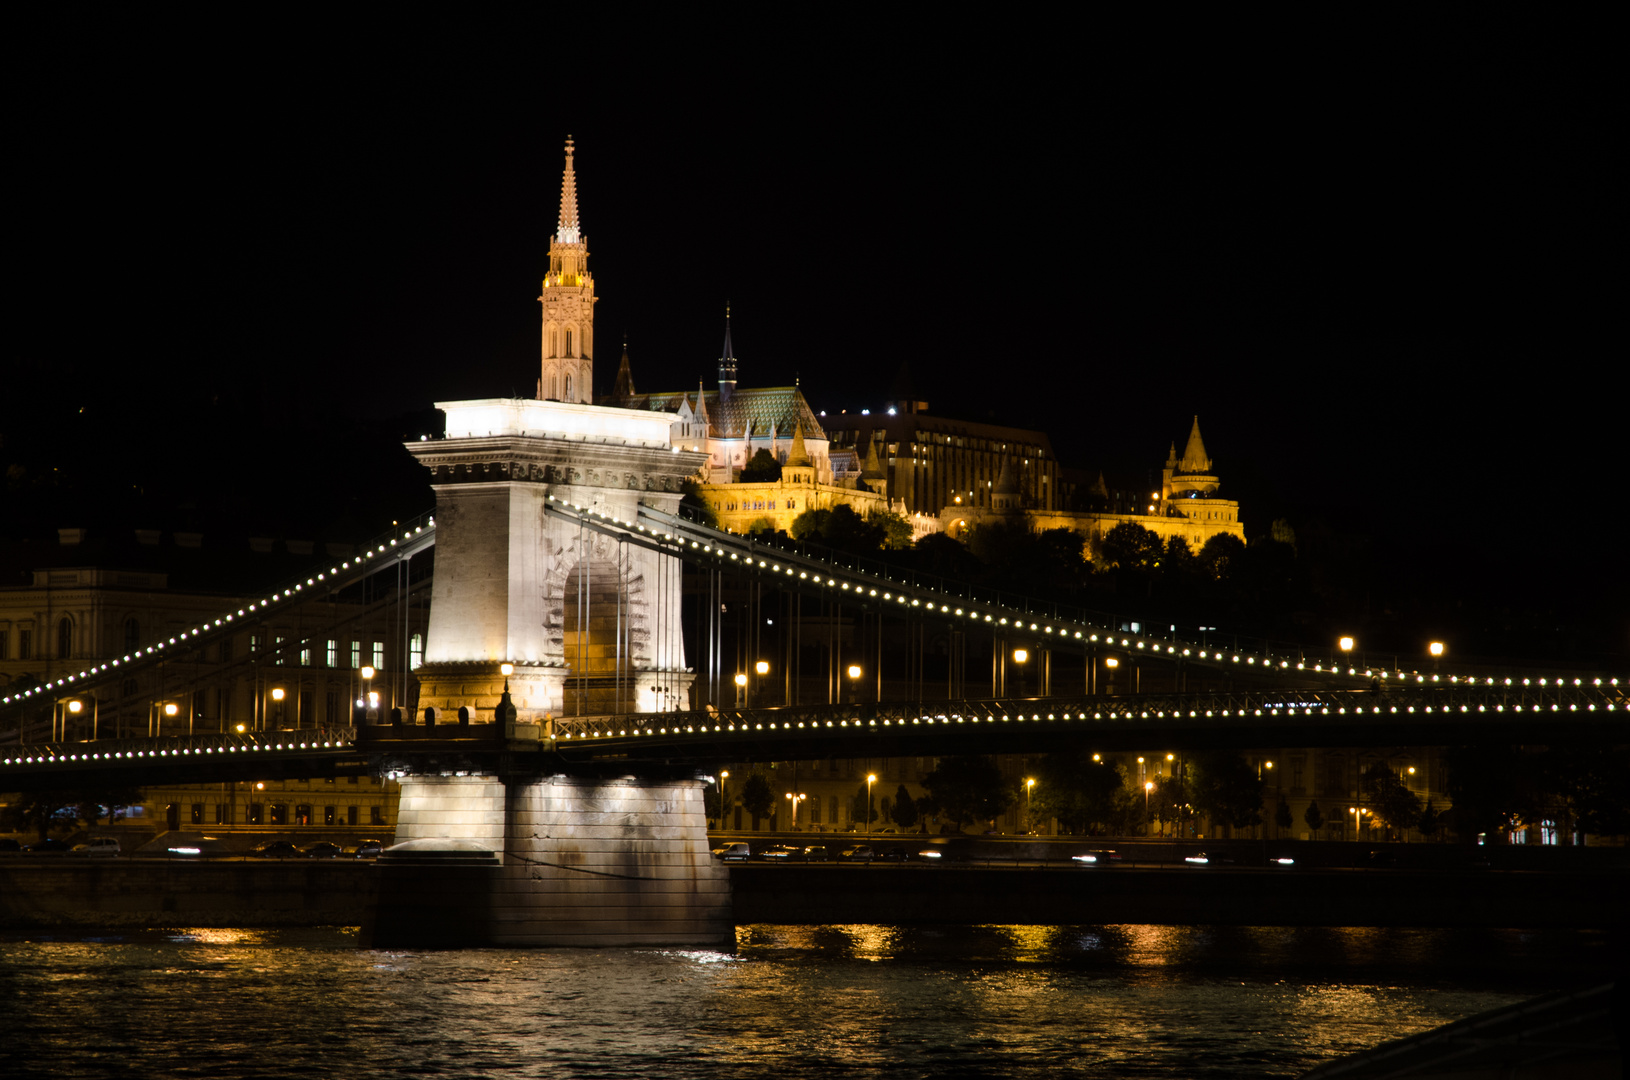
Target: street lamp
x=369, y=701
x=1019, y=657
x=1028, y=786
x=1346, y=645
x=854, y=682
x=741, y=686
x=723, y=776
x=1359, y=813
x=795, y=800
x=1148, y=786
x=871, y=778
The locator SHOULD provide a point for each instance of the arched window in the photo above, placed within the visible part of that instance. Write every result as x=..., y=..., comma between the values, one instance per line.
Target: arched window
x=568, y=374
x=132, y=634
x=569, y=351
x=554, y=342
x=554, y=387
x=65, y=638
x=415, y=652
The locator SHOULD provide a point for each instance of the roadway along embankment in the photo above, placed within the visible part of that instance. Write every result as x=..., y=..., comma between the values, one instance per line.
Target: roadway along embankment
x=65, y=892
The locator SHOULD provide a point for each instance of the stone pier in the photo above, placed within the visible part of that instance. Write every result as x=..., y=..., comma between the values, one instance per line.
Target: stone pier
x=588, y=862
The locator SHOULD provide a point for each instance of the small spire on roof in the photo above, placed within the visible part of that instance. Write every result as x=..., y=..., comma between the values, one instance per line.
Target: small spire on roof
x=701, y=405
x=624, y=387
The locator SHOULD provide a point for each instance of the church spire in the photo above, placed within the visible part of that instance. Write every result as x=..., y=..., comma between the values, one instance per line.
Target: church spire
x=727, y=363
x=566, y=229
x=568, y=299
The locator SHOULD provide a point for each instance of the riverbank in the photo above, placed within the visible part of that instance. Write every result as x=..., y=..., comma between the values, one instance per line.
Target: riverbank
x=63, y=893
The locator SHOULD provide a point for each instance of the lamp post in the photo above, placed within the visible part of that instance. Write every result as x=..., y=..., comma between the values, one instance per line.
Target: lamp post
x=1029, y=785
x=795, y=800
x=1359, y=813
x=723, y=776
x=1346, y=644
x=1260, y=767
x=761, y=669
x=871, y=778
x=1111, y=663
x=1019, y=657
x=854, y=683
x=741, y=687
x=369, y=701
x=1148, y=786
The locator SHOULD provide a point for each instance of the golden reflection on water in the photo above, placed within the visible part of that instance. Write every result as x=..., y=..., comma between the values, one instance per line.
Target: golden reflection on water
x=219, y=936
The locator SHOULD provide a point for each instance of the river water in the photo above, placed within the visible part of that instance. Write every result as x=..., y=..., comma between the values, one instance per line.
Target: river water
x=849, y=1001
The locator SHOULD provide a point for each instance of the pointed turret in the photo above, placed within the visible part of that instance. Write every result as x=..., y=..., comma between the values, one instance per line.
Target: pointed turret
x=624, y=387
x=798, y=456
x=873, y=468
x=1194, y=454
x=727, y=363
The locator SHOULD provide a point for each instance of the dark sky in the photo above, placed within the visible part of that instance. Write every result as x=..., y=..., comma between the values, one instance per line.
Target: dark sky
x=1376, y=259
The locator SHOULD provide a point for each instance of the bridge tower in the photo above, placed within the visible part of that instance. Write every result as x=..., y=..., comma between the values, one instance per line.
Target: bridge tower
x=590, y=624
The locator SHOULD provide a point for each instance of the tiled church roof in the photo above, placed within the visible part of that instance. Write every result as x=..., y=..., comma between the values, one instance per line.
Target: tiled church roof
x=749, y=412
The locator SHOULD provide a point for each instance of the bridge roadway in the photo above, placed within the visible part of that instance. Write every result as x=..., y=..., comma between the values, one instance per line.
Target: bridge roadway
x=1594, y=713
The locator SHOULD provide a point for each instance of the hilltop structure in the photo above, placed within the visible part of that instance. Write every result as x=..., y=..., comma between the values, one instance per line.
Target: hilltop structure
x=732, y=424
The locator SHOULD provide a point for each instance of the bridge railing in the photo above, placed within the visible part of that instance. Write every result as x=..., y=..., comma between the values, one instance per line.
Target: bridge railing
x=171, y=746
x=1607, y=702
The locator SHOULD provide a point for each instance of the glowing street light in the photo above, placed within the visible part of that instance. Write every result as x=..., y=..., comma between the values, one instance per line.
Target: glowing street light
x=795, y=800
x=741, y=686
x=871, y=778
x=762, y=667
x=1029, y=785
x=723, y=776
x=1435, y=649
x=854, y=682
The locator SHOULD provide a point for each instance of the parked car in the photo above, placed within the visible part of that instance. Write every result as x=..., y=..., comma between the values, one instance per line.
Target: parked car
x=817, y=853
x=858, y=853
x=278, y=849
x=322, y=849
x=780, y=853
x=367, y=849
x=733, y=853
x=49, y=846
x=892, y=854
x=98, y=847
x=8, y=844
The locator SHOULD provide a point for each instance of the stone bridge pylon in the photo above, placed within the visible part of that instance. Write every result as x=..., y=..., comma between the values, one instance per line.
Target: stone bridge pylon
x=591, y=624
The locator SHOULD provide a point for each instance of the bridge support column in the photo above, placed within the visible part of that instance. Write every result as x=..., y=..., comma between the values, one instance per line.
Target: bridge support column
x=585, y=861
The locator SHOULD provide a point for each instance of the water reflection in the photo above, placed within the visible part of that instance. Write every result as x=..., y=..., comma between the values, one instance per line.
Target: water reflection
x=1020, y=1001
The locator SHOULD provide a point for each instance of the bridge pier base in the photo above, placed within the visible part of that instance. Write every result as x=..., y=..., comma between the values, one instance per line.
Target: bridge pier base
x=584, y=861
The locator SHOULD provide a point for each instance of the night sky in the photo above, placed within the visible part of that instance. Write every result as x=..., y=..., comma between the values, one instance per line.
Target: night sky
x=1375, y=259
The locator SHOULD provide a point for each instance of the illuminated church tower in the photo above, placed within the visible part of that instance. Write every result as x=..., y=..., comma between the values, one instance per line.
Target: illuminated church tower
x=568, y=305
